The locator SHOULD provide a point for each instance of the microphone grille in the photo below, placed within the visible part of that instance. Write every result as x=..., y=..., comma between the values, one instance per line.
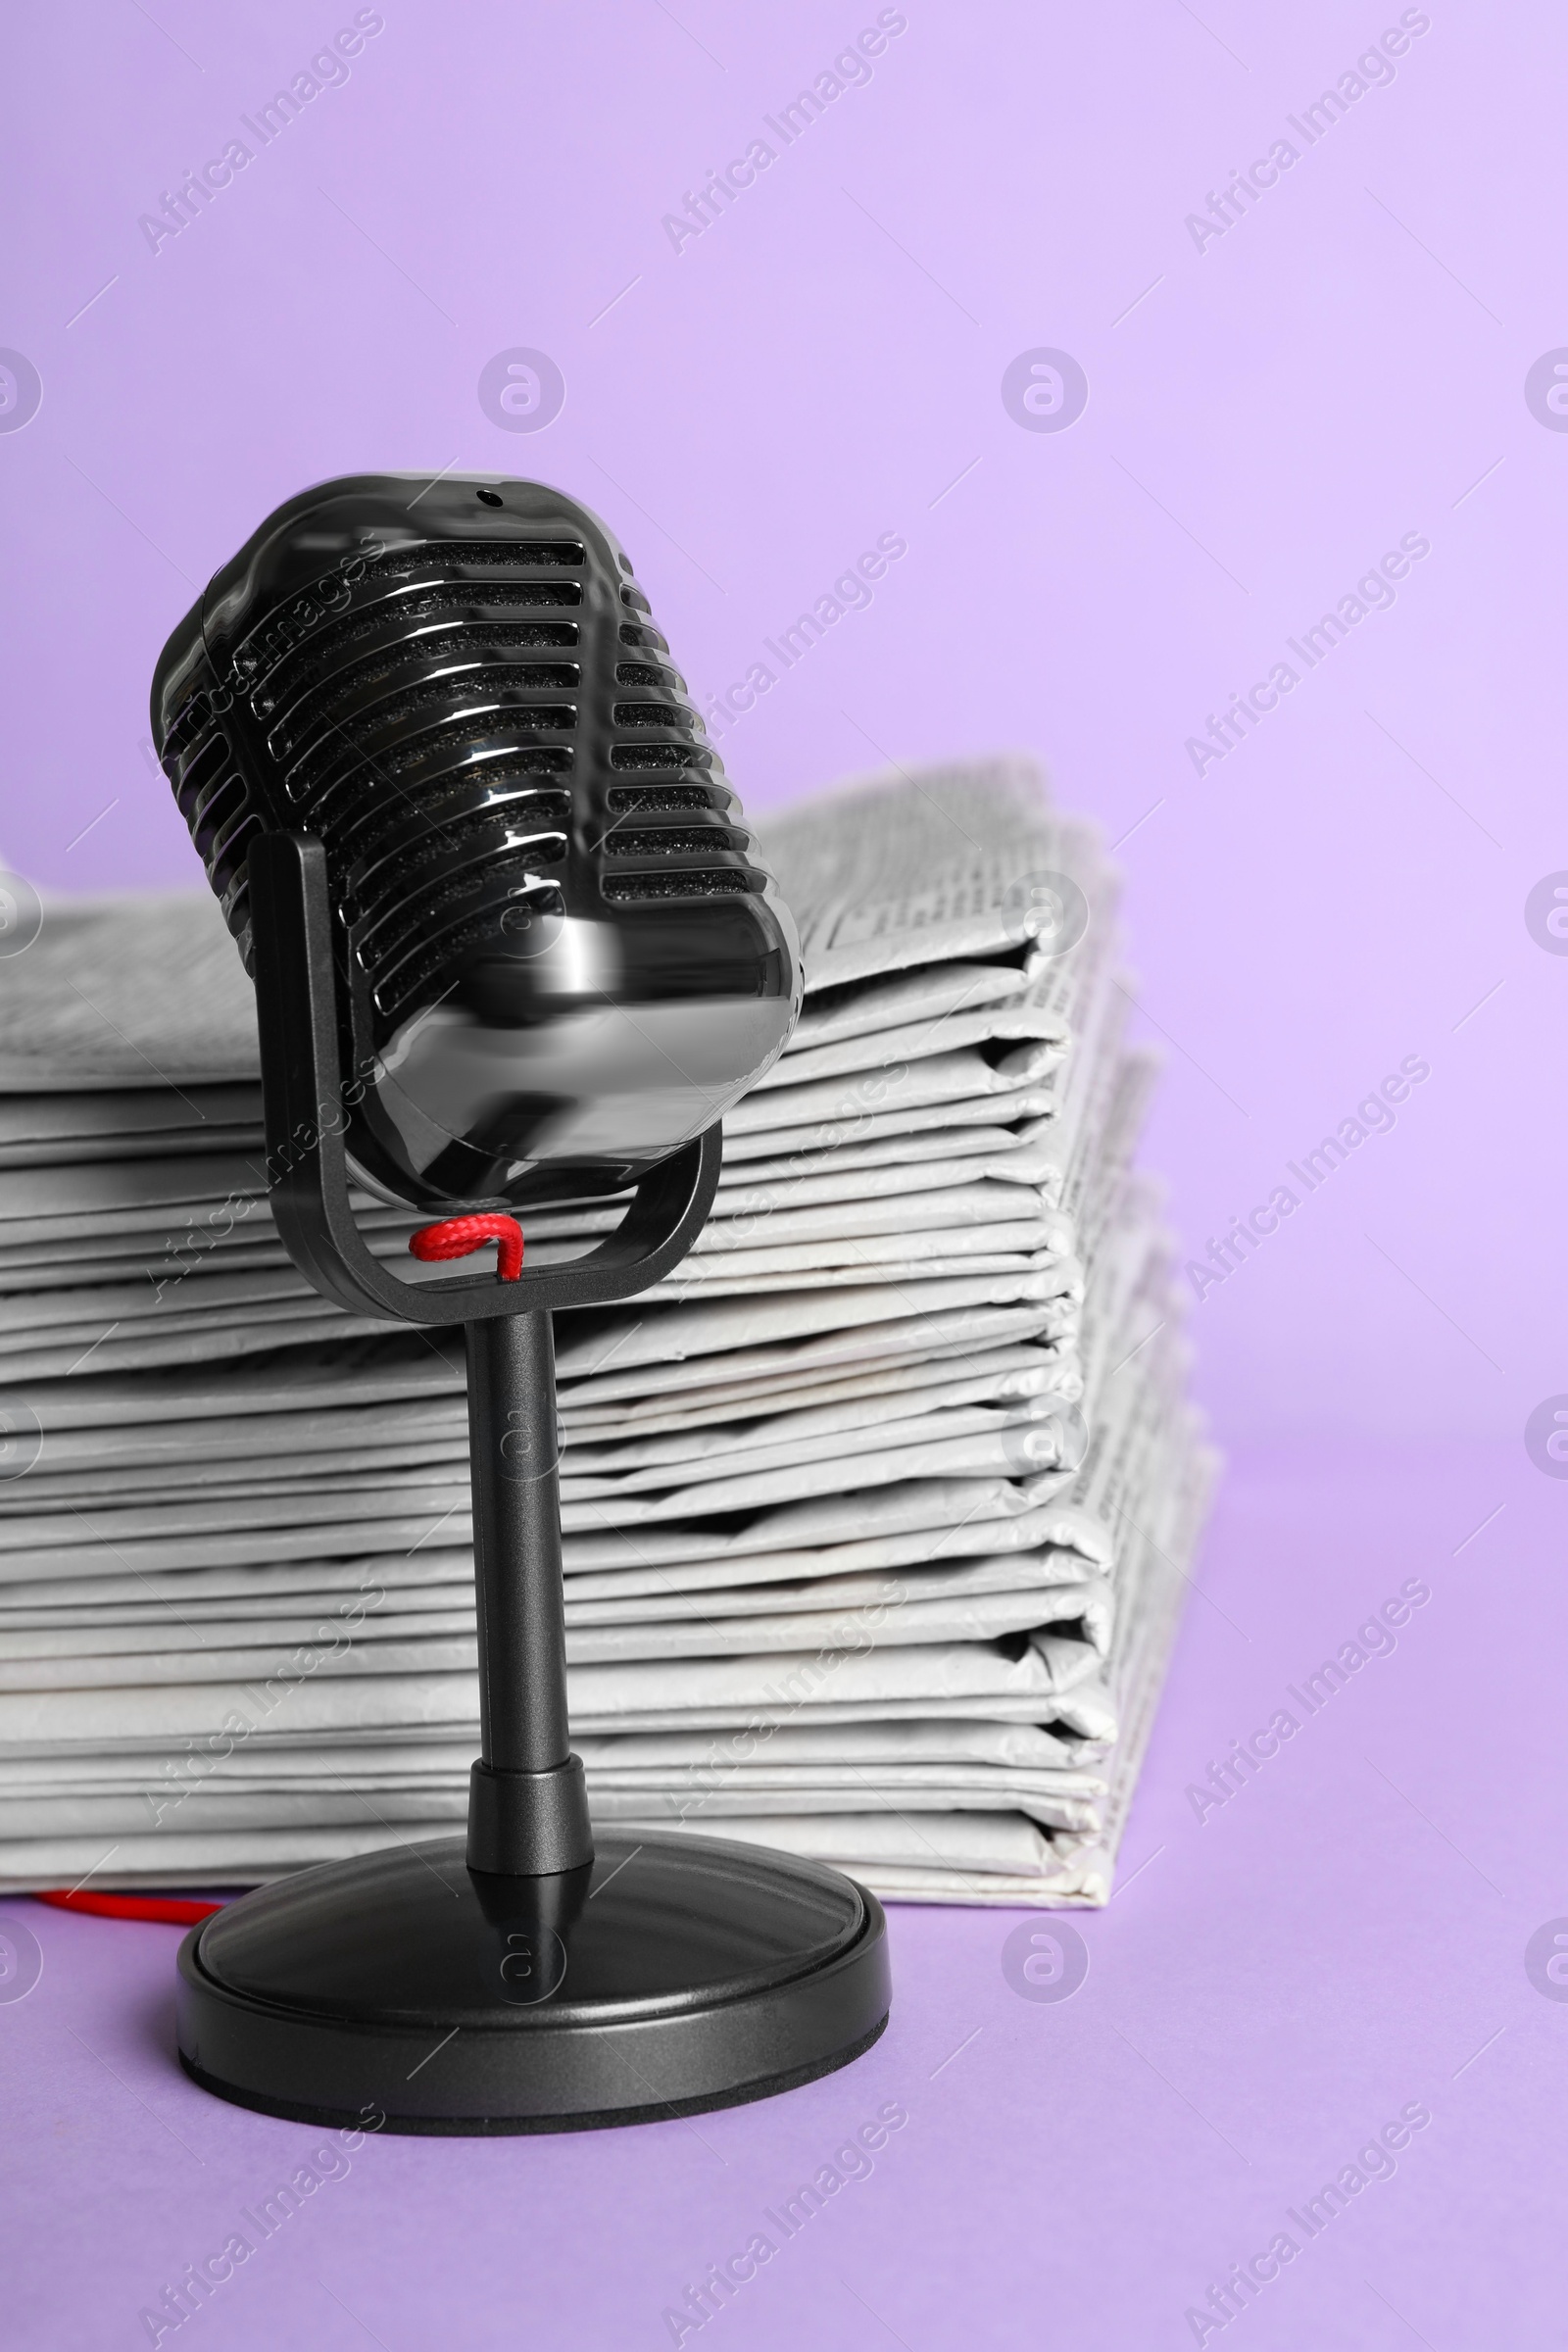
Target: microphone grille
x=467, y=718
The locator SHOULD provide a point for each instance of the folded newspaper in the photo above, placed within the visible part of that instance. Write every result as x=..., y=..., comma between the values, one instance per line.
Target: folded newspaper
x=877, y=1513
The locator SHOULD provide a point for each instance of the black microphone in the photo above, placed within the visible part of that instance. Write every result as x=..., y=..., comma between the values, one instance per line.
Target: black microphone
x=510, y=942
x=558, y=954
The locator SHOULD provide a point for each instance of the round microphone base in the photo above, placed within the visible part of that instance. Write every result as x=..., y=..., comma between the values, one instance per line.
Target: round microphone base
x=402, y=1990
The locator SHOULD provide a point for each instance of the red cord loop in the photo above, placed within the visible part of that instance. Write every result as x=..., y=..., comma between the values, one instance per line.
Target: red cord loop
x=458, y=1237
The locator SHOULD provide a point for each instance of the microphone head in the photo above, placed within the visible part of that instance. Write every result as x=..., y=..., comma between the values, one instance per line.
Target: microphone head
x=559, y=955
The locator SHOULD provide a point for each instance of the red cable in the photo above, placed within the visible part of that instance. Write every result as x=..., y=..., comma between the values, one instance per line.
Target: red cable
x=457, y=1237
x=173, y=1911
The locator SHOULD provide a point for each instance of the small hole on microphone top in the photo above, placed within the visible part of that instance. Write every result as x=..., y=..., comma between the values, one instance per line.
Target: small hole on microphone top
x=489, y=498
x=625, y=563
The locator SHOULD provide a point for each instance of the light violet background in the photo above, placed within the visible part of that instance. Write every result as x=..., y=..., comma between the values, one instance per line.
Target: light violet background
x=1267, y=416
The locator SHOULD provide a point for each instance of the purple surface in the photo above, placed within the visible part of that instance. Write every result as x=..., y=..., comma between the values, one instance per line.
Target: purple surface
x=1267, y=416
x=1342, y=1939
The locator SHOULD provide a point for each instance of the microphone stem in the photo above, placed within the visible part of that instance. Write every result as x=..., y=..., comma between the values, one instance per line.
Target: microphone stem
x=527, y=1808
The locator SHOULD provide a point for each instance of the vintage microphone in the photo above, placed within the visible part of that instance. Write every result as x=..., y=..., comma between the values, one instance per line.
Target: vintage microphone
x=512, y=943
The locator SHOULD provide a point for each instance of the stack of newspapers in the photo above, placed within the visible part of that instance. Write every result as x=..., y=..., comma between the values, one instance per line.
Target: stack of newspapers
x=877, y=1513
